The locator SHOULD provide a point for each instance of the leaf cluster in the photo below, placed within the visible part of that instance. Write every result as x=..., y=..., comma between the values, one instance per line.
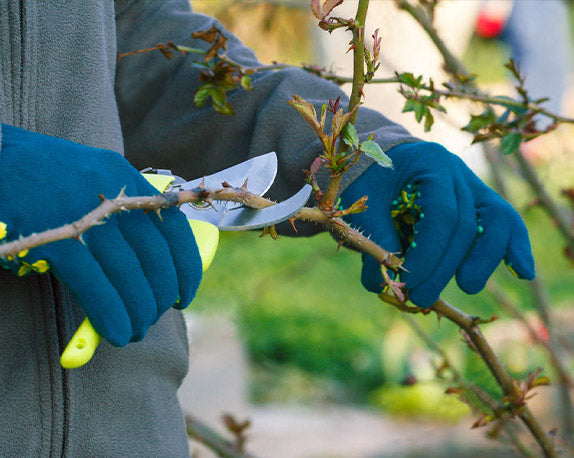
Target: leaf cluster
x=514, y=124
x=416, y=101
x=218, y=73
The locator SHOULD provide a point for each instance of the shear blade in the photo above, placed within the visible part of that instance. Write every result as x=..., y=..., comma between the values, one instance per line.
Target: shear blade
x=244, y=218
x=259, y=172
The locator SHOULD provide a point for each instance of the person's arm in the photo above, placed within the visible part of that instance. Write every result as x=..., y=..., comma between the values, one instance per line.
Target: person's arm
x=164, y=129
x=466, y=230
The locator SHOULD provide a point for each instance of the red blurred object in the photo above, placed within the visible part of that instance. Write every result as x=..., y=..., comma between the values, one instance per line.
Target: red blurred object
x=488, y=26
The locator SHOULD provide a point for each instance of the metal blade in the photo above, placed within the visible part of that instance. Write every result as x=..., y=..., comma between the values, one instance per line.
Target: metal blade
x=242, y=218
x=259, y=172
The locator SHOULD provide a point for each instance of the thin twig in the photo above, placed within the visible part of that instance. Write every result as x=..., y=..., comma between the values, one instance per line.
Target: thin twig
x=508, y=384
x=549, y=205
x=202, y=433
x=551, y=346
x=513, y=310
x=482, y=396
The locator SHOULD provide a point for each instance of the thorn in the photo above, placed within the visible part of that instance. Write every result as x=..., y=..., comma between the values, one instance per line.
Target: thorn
x=209, y=202
x=102, y=197
x=158, y=213
x=340, y=243
x=202, y=184
x=244, y=187
x=225, y=184
x=292, y=221
x=80, y=238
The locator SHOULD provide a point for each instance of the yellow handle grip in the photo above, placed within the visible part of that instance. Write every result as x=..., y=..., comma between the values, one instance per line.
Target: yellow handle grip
x=83, y=344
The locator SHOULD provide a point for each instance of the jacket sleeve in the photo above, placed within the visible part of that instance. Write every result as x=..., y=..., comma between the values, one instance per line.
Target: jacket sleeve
x=162, y=127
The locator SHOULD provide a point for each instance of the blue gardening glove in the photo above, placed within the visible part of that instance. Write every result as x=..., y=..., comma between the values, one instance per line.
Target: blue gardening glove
x=131, y=269
x=445, y=221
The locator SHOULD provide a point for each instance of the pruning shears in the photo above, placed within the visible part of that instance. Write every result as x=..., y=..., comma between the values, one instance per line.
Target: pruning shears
x=206, y=220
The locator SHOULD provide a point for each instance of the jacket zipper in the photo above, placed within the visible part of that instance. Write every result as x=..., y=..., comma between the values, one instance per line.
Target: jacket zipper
x=58, y=301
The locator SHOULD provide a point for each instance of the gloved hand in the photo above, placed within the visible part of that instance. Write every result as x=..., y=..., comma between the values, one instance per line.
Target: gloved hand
x=132, y=268
x=461, y=226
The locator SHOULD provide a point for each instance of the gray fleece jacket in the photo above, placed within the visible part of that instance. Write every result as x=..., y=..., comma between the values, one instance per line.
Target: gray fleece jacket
x=59, y=76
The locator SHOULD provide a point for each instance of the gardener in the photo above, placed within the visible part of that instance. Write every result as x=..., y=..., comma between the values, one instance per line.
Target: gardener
x=67, y=109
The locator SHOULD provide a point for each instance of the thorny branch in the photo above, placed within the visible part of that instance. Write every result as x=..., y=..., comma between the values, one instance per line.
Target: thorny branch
x=171, y=199
x=468, y=323
x=498, y=410
x=455, y=67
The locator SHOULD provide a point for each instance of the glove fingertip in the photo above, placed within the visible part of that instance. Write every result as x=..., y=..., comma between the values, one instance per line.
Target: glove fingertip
x=519, y=257
x=469, y=283
x=522, y=268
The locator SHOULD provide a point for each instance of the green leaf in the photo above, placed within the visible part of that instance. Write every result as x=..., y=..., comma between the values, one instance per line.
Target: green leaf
x=429, y=121
x=541, y=381
x=420, y=112
x=357, y=207
x=220, y=102
x=246, y=83
x=307, y=111
x=323, y=116
x=502, y=119
x=339, y=121
x=409, y=79
x=410, y=105
x=481, y=121
x=218, y=95
x=226, y=109
x=374, y=151
x=350, y=136
x=510, y=142
x=202, y=94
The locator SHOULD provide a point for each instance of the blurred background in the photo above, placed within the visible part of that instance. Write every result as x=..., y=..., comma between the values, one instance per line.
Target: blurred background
x=283, y=333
